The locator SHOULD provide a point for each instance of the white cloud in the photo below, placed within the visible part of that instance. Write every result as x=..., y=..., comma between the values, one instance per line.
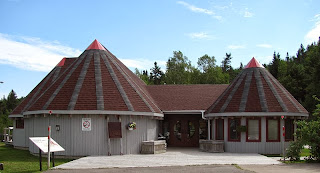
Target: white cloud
x=33, y=53
x=264, y=59
x=264, y=45
x=200, y=35
x=236, y=46
x=247, y=13
x=314, y=34
x=200, y=10
x=142, y=64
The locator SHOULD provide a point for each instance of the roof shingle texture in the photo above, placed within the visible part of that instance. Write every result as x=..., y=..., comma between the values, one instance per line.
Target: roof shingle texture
x=256, y=90
x=185, y=97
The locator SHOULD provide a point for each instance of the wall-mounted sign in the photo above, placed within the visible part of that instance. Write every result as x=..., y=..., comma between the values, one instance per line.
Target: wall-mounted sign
x=114, y=129
x=86, y=124
x=42, y=144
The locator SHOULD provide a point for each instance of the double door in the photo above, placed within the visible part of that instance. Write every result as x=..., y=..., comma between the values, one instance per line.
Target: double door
x=184, y=130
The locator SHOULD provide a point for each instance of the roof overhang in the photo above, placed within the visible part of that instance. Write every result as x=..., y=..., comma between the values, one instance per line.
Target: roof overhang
x=184, y=112
x=16, y=116
x=93, y=112
x=255, y=114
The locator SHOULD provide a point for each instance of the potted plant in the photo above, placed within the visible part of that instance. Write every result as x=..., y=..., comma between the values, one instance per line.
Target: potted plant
x=242, y=128
x=132, y=126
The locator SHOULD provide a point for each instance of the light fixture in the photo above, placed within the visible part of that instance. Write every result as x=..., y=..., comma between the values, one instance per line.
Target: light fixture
x=57, y=127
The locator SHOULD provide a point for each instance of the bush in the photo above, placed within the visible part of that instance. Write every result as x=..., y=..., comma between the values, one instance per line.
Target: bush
x=307, y=133
x=293, y=152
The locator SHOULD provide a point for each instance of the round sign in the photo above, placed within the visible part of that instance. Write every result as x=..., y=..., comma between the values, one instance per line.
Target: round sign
x=86, y=124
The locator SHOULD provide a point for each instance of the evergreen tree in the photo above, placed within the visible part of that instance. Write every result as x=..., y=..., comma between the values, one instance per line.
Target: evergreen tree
x=226, y=63
x=143, y=75
x=12, y=100
x=274, y=66
x=156, y=75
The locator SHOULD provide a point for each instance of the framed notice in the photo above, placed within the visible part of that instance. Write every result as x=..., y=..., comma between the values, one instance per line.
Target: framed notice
x=114, y=129
x=42, y=143
x=86, y=124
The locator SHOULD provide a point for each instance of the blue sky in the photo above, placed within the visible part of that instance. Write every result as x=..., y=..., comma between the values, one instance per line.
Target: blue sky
x=36, y=34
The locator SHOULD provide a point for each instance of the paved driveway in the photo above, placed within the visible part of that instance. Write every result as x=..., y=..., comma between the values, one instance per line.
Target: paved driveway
x=173, y=157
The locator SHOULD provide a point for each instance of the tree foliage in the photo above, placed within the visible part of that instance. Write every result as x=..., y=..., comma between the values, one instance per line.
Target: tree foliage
x=6, y=107
x=156, y=75
x=308, y=133
x=299, y=74
x=178, y=69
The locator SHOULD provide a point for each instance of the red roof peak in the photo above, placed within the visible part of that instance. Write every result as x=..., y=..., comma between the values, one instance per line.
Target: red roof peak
x=61, y=63
x=96, y=45
x=253, y=63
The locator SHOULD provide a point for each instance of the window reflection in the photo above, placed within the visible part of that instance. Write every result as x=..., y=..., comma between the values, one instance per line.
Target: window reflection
x=177, y=130
x=191, y=129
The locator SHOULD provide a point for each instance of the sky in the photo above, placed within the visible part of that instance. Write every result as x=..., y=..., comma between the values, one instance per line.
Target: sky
x=36, y=34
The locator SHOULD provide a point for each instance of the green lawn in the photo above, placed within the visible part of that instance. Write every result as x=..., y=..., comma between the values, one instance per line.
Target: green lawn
x=305, y=152
x=15, y=160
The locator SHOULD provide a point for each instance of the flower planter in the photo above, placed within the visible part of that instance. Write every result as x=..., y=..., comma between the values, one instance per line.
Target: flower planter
x=130, y=128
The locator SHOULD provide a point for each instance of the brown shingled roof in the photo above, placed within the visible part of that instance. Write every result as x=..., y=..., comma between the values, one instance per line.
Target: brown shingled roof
x=95, y=81
x=256, y=90
x=185, y=97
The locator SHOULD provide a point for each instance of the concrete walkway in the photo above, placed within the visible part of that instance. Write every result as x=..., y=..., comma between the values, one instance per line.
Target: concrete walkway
x=173, y=157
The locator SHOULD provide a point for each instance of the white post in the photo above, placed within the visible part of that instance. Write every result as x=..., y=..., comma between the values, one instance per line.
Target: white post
x=283, y=134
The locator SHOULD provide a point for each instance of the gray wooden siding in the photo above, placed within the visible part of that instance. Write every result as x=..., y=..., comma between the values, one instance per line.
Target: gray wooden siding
x=262, y=147
x=18, y=136
x=95, y=142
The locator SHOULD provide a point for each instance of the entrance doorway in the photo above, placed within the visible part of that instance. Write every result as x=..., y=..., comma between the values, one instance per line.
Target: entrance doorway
x=184, y=130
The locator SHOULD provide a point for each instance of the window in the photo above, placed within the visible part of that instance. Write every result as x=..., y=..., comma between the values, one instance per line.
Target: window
x=289, y=129
x=19, y=124
x=191, y=129
x=177, y=130
x=273, y=130
x=233, y=134
x=219, y=129
x=253, y=129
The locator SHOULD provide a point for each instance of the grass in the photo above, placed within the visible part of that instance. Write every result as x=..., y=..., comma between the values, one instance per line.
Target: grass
x=15, y=160
x=237, y=166
x=305, y=152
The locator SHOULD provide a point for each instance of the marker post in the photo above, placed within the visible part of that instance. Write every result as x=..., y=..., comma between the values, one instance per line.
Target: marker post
x=49, y=141
x=284, y=135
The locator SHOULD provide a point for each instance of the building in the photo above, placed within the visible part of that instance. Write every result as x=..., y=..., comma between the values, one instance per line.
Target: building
x=90, y=100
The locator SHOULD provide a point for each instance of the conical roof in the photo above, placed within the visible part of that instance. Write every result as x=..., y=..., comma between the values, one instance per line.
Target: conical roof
x=256, y=92
x=94, y=83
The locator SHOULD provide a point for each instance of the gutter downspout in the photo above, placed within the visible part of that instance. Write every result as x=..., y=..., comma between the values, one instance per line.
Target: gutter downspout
x=202, y=115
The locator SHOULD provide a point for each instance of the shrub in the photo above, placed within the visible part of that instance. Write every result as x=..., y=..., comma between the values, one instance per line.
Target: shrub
x=293, y=152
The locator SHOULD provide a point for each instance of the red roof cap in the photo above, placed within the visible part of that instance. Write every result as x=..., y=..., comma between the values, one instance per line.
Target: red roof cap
x=253, y=63
x=96, y=45
x=61, y=63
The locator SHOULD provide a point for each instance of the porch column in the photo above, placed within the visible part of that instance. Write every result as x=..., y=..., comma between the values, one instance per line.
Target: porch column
x=209, y=129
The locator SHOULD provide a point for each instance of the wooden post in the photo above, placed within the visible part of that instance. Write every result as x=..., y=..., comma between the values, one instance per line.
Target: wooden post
x=109, y=143
x=121, y=148
x=40, y=159
x=52, y=159
x=49, y=140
